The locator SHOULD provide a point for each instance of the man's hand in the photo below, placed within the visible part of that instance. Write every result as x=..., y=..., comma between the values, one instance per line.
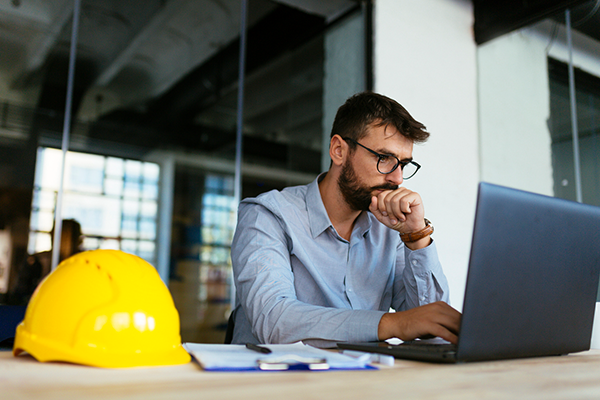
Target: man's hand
x=436, y=319
x=401, y=210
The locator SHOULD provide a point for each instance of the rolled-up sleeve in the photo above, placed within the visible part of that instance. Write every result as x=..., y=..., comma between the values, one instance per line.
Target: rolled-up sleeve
x=419, y=278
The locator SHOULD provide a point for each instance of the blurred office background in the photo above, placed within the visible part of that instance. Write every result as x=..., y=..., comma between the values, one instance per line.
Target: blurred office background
x=151, y=166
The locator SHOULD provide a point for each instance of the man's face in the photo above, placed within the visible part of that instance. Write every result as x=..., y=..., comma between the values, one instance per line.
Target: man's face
x=359, y=179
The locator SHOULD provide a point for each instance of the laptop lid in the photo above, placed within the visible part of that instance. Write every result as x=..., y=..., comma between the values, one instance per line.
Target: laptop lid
x=533, y=276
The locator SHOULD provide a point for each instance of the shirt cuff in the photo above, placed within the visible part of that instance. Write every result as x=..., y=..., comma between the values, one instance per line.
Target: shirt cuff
x=363, y=327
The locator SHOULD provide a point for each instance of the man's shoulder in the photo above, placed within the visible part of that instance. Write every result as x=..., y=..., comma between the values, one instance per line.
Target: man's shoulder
x=279, y=200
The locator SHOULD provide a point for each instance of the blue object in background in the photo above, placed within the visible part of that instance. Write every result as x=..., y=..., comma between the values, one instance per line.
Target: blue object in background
x=10, y=317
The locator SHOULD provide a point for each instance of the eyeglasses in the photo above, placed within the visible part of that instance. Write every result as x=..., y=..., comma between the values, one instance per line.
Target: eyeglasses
x=386, y=164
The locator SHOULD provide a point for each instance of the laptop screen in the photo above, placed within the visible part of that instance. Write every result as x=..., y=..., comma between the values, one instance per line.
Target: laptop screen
x=533, y=276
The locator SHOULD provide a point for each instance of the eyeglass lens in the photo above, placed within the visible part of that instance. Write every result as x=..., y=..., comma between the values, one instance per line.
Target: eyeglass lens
x=388, y=164
x=408, y=170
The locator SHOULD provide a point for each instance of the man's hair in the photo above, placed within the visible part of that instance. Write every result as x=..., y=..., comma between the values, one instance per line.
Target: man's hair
x=366, y=108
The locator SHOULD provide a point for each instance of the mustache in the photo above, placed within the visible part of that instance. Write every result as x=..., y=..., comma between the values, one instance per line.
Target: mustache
x=386, y=186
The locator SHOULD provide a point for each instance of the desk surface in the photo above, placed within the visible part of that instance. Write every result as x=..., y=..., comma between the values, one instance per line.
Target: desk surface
x=575, y=376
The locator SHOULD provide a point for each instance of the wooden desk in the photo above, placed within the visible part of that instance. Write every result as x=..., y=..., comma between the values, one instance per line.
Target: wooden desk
x=575, y=376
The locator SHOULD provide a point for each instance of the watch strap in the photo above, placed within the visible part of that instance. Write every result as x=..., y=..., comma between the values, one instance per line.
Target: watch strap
x=418, y=235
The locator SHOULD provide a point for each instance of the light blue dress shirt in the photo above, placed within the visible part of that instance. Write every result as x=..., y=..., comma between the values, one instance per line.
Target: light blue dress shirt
x=298, y=280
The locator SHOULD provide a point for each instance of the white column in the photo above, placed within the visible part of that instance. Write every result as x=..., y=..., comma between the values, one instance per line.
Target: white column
x=425, y=58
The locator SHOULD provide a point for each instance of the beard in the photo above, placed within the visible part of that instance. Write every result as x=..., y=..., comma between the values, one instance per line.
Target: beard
x=357, y=195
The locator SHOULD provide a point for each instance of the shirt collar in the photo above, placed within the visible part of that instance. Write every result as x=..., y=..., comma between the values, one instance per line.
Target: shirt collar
x=317, y=214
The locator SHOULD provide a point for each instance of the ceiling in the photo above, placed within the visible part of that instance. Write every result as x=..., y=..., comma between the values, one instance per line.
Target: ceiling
x=495, y=18
x=163, y=73
x=130, y=46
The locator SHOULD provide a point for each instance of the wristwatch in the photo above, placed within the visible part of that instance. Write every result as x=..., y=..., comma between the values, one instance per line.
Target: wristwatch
x=414, y=236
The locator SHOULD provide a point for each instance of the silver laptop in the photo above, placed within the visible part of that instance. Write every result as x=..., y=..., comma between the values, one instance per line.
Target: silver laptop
x=532, y=282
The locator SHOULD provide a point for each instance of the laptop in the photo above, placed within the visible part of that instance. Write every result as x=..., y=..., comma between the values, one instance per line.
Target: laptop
x=532, y=282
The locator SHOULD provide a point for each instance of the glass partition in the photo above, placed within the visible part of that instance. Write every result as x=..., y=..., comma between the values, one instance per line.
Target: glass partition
x=153, y=129
x=531, y=136
x=587, y=96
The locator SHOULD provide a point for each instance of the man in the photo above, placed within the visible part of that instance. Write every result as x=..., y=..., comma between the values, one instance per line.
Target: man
x=325, y=262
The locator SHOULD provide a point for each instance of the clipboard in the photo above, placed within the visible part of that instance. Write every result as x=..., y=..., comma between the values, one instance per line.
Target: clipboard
x=283, y=357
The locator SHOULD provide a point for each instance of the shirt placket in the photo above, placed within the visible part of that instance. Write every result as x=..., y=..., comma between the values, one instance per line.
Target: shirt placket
x=350, y=281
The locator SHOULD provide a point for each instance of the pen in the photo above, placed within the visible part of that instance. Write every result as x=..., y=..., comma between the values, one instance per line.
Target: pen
x=260, y=349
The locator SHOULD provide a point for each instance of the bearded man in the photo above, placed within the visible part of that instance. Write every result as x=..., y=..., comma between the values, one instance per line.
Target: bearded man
x=348, y=257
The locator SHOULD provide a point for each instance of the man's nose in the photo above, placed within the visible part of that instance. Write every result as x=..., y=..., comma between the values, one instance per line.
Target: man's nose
x=395, y=177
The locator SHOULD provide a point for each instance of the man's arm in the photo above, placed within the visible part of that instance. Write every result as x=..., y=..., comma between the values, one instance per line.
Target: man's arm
x=421, y=298
x=423, y=289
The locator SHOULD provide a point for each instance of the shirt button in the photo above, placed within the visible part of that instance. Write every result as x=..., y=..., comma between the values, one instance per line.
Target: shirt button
x=349, y=290
x=415, y=262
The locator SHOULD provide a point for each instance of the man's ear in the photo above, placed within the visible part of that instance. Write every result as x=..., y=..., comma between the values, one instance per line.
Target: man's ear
x=338, y=150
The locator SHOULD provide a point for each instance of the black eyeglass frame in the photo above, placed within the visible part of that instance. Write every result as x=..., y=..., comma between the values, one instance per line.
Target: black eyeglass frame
x=382, y=156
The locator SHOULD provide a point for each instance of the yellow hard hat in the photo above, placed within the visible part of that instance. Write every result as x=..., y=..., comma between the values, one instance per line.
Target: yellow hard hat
x=103, y=308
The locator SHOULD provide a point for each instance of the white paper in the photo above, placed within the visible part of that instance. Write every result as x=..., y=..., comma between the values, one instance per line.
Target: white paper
x=224, y=357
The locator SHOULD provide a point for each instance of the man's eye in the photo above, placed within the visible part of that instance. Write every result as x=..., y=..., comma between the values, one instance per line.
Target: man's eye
x=384, y=159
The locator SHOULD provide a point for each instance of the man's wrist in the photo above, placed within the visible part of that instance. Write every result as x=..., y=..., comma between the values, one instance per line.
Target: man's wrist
x=385, y=326
x=419, y=244
x=411, y=237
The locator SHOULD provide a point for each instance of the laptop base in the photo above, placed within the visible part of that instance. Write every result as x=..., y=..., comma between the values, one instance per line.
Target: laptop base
x=413, y=350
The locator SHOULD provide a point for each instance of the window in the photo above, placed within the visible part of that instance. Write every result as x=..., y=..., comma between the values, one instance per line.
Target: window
x=114, y=200
x=588, y=121
x=218, y=224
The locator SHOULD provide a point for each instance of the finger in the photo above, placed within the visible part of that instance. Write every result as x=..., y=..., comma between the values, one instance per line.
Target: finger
x=389, y=207
x=438, y=319
x=442, y=332
x=451, y=324
x=448, y=317
x=395, y=206
x=373, y=205
x=398, y=203
x=384, y=205
x=374, y=208
x=430, y=329
x=408, y=202
x=381, y=203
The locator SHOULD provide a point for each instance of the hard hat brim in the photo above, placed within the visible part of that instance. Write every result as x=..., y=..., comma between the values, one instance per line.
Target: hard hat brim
x=42, y=351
